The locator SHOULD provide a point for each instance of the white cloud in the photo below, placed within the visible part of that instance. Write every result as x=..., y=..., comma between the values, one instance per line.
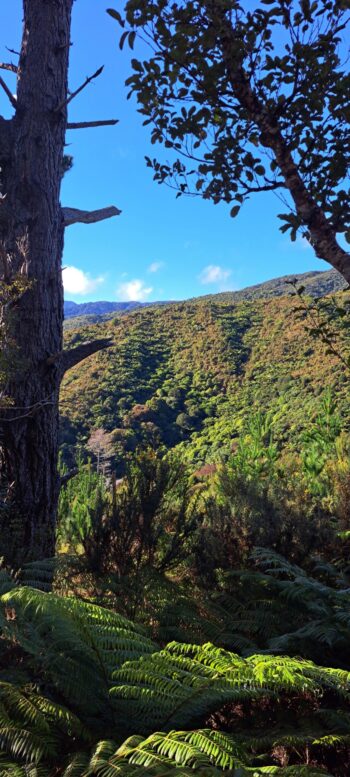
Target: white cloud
x=76, y=281
x=155, y=266
x=133, y=291
x=213, y=273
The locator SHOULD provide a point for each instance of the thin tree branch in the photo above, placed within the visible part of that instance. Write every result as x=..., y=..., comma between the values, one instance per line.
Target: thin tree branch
x=31, y=411
x=73, y=356
x=268, y=187
x=7, y=91
x=75, y=216
x=86, y=124
x=8, y=66
x=80, y=89
x=68, y=476
x=13, y=51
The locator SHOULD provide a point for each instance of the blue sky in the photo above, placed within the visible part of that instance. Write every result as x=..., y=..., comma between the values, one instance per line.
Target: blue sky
x=160, y=247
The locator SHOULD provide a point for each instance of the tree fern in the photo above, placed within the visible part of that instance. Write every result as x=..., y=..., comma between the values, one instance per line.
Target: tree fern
x=256, y=601
x=36, y=574
x=204, y=752
x=323, y=626
x=34, y=727
x=184, y=683
x=81, y=673
x=74, y=645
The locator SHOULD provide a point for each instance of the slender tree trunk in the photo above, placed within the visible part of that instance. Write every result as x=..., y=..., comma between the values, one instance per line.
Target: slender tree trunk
x=322, y=234
x=31, y=244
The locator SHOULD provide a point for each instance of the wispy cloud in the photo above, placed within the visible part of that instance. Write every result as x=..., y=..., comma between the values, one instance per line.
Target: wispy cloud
x=133, y=291
x=155, y=266
x=77, y=281
x=214, y=274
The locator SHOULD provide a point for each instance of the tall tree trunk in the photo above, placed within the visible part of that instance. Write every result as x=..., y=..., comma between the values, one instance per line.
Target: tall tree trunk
x=31, y=244
x=322, y=233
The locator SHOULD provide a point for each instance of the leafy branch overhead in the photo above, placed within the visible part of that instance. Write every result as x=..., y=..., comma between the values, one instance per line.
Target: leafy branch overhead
x=250, y=101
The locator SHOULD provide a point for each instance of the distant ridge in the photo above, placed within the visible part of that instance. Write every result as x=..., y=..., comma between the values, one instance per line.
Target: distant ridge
x=96, y=308
x=317, y=283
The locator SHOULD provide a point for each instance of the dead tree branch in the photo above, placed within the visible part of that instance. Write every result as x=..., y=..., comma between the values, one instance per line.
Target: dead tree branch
x=76, y=216
x=86, y=124
x=68, y=476
x=8, y=66
x=8, y=92
x=80, y=89
x=74, y=356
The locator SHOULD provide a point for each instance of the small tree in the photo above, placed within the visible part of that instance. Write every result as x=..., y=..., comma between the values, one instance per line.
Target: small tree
x=32, y=224
x=101, y=444
x=251, y=101
x=146, y=523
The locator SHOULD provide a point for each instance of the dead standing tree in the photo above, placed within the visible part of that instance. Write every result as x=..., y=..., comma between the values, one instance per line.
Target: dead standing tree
x=32, y=224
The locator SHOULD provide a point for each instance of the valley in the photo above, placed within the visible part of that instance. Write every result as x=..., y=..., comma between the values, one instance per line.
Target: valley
x=189, y=375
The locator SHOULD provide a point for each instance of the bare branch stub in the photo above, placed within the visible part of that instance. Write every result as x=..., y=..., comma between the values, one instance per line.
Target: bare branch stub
x=8, y=92
x=76, y=216
x=68, y=476
x=8, y=66
x=87, y=124
x=80, y=89
x=74, y=356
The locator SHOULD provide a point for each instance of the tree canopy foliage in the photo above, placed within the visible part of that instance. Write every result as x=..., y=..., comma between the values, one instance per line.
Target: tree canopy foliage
x=251, y=99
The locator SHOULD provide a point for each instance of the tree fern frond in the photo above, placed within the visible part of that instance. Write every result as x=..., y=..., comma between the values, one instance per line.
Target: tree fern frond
x=182, y=752
x=273, y=562
x=23, y=744
x=9, y=768
x=204, y=752
x=318, y=611
x=32, y=727
x=287, y=771
x=184, y=682
x=78, y=765
x=196, y=749
x=38, y=574
x=75, y=645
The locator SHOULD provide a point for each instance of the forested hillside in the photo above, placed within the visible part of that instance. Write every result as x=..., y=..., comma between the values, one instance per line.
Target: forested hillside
x=190, y=375
x=316, y=283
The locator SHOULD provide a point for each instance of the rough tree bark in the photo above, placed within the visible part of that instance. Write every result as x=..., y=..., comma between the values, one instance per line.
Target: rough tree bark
x=31, y=244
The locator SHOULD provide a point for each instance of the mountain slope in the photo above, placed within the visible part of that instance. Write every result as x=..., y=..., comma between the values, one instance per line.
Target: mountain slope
x=191, y=374
x=316, y=283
